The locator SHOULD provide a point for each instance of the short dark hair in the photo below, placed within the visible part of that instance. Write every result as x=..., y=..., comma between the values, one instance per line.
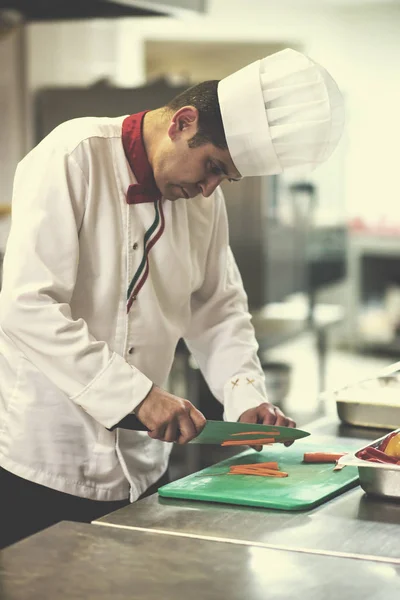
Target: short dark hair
x=204, y=97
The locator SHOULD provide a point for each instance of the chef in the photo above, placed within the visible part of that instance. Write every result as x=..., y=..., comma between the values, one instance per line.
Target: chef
x=118, y=248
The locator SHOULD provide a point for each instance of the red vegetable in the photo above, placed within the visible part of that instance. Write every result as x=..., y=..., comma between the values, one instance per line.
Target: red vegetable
x=371, y=453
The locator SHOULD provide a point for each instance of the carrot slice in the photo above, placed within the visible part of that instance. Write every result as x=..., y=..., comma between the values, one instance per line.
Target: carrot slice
x=322, y=457
x=256, y=433
x=267, y=469
x=275, y=473
x=257, y=467
x=263, y=473
x=248, y=470
x=248, y=442
x=267, y=465
x=244, y=472
x=240, y=468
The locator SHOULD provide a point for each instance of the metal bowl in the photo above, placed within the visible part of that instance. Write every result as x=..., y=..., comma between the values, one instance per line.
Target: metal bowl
x=375, y=478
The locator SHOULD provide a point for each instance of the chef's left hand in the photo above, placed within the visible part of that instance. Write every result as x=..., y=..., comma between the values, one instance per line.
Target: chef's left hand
x=266, y=414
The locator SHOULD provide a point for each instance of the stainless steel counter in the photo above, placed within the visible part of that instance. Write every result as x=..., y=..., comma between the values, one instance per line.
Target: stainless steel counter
x=79, y=561
x=351, y=524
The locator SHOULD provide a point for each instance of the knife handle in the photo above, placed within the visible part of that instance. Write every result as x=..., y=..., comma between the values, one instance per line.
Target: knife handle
x=130, y=422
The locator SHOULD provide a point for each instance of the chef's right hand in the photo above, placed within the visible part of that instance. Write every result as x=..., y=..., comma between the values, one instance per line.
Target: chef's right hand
x=169, y=418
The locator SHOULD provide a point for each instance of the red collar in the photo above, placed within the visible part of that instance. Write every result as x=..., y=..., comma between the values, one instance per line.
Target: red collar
x=145, y=190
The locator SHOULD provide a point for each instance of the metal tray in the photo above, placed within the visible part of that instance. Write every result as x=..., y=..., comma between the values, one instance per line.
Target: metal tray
x=371, y=403
x=375, y=479
x=368, y=414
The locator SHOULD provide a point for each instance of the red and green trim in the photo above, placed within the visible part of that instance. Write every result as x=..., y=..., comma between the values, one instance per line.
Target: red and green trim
x=151, y=237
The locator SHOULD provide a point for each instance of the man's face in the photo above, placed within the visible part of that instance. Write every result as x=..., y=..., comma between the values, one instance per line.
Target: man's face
x=184, y=172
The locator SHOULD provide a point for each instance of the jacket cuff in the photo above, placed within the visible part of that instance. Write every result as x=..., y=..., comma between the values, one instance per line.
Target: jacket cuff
x=114, y=393
x=242, y=392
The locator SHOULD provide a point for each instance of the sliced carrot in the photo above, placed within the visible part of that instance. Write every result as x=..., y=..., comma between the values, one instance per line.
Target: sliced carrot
x=267, y=465
x=266, y=472
x=248, y=442
x=263, y=473
x=275, y=473
x=256, y=433
x=244, y=472
x=322, y=457
x=265, y=469
x=257, y=467
x=270, y=465
x=254, y=467
x=249, y=470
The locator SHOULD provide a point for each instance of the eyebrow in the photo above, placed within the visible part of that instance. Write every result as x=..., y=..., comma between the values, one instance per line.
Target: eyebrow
x=225, y=170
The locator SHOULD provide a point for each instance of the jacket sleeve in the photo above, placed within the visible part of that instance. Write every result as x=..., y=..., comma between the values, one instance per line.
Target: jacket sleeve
x=221, y=336
x=40, y=269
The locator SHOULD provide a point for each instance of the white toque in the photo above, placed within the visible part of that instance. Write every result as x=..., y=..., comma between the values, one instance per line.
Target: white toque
x=279, y=112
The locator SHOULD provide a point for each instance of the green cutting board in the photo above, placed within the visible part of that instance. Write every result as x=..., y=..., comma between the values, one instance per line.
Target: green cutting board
x=306, y=486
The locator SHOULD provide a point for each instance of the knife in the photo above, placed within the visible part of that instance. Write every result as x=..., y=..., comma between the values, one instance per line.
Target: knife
x=130, y=422
x=216, y=432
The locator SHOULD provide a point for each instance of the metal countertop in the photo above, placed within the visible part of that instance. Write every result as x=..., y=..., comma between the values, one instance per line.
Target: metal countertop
x=73, y=560
x=350, y=524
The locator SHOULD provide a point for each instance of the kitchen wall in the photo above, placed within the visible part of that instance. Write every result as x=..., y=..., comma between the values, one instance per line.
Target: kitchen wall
x=12, y=116
x=358, y=42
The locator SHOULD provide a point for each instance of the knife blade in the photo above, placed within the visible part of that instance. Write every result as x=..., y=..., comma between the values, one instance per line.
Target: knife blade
x=216, y=432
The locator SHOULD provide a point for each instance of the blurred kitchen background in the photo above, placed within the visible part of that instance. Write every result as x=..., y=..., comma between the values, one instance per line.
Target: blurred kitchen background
x=319, y=254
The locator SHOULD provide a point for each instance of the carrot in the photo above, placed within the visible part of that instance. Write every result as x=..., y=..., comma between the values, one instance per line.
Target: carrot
x=244, y=472
x=267, y=465
x=260, y=469
x=267, y=469
x=234, y=469
x=248, y=442
x=322, y=457
x=262, y=473
x=249, y=470
x=256, y=467
x=255, y=470
x=274, y=473
x=256, y=433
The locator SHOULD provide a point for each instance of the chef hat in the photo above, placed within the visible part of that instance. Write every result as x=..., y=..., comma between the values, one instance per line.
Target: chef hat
x=279, y=112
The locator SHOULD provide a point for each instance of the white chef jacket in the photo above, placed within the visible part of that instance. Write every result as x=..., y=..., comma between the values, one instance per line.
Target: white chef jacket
x=73, y=360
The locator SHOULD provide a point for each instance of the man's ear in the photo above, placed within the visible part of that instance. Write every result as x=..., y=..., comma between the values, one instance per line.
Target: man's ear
x=185, y=120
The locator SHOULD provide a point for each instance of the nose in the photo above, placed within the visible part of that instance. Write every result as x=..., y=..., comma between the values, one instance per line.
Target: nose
x=208, y=185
